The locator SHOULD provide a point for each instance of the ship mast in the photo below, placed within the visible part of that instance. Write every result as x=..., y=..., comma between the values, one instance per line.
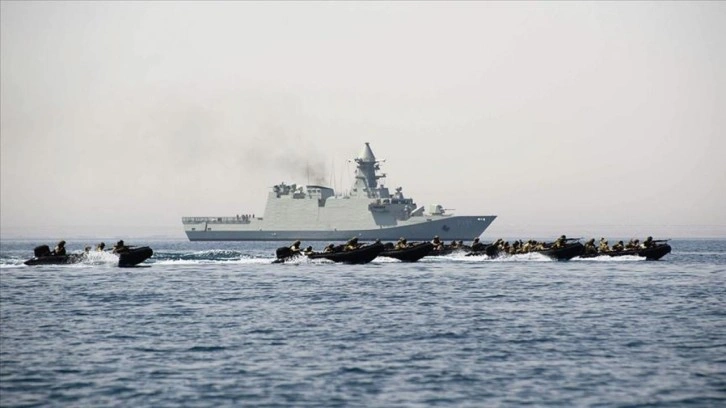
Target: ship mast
x=366, y=179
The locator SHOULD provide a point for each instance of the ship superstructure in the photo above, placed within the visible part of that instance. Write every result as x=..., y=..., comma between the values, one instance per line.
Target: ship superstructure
x=314, y=212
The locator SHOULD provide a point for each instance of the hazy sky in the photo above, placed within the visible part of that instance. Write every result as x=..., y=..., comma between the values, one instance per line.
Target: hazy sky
x=119, y=118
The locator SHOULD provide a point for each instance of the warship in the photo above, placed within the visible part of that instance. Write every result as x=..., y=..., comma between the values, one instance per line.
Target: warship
x=368, y=211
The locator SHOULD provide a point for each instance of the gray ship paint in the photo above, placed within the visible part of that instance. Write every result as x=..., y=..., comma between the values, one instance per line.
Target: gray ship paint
x=314, y=212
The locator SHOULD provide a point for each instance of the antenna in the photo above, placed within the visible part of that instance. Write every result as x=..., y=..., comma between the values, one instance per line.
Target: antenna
x=332, y=174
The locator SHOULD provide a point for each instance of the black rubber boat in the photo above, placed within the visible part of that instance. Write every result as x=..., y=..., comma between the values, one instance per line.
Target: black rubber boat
x=448, y=250
x=55, y=259
x=361, y=255
x=410, y=254
x=285, y=254
x=565, y=253
x=132, y=257
x=653, y=253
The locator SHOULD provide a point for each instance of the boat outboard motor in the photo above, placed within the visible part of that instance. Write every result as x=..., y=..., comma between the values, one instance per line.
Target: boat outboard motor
x=41, y=250
x=283, y=252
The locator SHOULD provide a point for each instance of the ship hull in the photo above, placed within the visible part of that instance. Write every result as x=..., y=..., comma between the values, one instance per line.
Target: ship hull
x=446, y=228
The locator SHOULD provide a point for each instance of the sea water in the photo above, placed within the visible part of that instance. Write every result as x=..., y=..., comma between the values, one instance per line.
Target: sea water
x=216, y=324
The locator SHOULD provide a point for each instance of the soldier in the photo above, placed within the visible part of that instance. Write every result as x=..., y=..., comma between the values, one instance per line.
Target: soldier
x=527, y=246
x=120, y=247
x=618, y=247
x=476, y=245
x=438, y=245
x=401, y=244
x=352, y=244
x=632, y=244
x=100, y=247
x=560, y=243
x=603, y=246
x=506, y=248
x=60, y=249
x=295, y=247
x=308, y=250
x=329, y=248
x=590, y=247
x=648, y=242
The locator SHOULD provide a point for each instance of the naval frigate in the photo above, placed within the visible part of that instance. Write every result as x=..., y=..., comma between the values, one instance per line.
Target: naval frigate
x=368, y=211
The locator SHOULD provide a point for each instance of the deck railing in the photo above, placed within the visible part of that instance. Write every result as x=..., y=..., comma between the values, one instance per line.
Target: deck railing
x=217, y=220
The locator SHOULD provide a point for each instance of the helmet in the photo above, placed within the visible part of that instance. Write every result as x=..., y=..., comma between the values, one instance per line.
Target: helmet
x=563, y=237
x=330, y=245
x=476, y=239
x=403, y=240
x=296, y=243
x=310, y=248
x=120, y=242
x=61, y=242
x=102, y=245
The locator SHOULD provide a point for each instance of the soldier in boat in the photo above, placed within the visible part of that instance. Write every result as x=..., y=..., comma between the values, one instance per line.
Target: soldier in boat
x=401, y=244
x=633, y=244
x=120, y=247
x=648, y=242
x=308, y=250
x=60, y=248
x=100, y=247
x=604, y=247
x=476, y=245
x=619, y=246
x=560, y=243
x=527, y=246
x=352, y=244
x=590, y=247
x=295, y=247
x=330, y=248
x=438, y=245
